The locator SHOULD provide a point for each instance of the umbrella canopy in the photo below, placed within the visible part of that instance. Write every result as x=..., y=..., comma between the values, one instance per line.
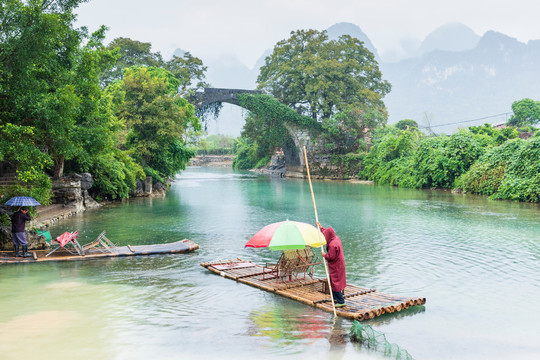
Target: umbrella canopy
x=22, y=201
x=287, y=235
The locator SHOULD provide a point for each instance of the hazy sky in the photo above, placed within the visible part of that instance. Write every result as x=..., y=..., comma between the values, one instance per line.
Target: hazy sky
x=213, y=29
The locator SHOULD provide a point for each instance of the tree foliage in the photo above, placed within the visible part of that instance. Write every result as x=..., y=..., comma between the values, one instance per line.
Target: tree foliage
x=190, y=72
x=482, y=160
x=17, y=146
x=158, y=120
x=319, y=77
x=526, y=112
x=129, y=53
x=440, y=160
x=246, y=154
x=216, y=144
x=39, y=59
x=332, y=88
x=499, y=135
x=406, y=124
x=345, y=132
x=389, y=159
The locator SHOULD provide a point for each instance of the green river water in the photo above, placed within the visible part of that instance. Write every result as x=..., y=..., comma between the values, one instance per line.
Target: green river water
x=476, y=261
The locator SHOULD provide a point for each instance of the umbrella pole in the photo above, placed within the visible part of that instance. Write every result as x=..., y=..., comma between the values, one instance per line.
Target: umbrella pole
x=317, y=220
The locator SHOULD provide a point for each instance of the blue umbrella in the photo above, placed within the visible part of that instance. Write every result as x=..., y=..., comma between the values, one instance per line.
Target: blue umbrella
x=22, y=201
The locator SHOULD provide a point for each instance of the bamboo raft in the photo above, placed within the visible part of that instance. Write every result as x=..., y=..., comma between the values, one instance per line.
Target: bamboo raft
x=7, y=257
x=362, y=303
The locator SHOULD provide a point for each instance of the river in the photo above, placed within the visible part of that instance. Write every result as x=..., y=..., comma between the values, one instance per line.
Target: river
x=475, y=260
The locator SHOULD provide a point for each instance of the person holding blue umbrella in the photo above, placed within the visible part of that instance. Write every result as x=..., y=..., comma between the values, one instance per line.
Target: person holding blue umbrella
x=18, y=223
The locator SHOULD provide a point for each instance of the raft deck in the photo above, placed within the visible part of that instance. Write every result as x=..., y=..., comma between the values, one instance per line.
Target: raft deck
x=117, y=251
x=362, y=303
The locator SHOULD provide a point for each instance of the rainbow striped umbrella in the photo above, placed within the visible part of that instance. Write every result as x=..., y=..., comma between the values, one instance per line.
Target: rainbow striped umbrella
x=287, y=235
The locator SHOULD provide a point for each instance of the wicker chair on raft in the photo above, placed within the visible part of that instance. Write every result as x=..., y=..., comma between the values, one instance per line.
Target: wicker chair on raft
x=101, y=244
x=292, y=265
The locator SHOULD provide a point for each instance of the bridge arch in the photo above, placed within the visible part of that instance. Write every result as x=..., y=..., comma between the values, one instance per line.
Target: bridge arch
x=202, y=99
x=297, y=137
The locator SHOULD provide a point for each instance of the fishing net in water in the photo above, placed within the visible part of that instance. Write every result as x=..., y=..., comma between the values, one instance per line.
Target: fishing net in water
x=376, y=340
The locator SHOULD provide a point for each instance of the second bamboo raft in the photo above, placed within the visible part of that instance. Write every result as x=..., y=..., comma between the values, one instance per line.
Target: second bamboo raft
x=183, y=246
x=362, y=303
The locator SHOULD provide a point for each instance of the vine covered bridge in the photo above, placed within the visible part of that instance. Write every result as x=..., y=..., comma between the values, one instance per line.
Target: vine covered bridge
x=300, y=136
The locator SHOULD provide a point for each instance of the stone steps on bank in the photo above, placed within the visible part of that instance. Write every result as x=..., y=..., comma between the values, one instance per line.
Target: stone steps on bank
x=8, y=179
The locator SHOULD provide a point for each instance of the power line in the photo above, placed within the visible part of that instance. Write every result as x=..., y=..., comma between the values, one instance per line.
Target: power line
x=466, y=121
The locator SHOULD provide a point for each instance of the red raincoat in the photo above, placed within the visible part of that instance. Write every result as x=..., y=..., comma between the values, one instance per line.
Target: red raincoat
x=335, y=258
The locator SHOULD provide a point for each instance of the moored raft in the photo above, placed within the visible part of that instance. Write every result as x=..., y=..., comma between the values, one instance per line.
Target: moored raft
x=362, y=303
x=181, y=246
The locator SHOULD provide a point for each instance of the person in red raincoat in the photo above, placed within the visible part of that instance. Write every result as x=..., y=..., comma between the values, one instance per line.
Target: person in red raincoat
x=336, y=263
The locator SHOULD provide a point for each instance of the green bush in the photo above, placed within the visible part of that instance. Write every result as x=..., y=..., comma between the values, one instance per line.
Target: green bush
x=115, y=175
x=510, y=171
x=245, y=154
x=482, y=178
x=5, y=220
x=40, y=190
x=389, y=159
x=440, y=160
x=351, y=163
x=263, y=162
x=522, y=176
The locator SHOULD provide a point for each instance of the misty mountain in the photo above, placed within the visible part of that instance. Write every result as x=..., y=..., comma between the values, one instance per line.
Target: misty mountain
x=229, y=72
x=444, y=87
x=449, y=37
x=337, y=30
x=178, y=53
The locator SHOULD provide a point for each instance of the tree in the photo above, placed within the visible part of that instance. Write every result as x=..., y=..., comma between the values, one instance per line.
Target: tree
x=130, y=53
x=52, y=105
x=99, y=131
x=187, y=69
x=526, y=112
x=345, y=131
x=38, y=58
x=158, y=120
x=406, y=124
x=319, y=77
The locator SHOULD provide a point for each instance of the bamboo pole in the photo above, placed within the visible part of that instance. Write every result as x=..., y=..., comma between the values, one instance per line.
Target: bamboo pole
x=317, y=220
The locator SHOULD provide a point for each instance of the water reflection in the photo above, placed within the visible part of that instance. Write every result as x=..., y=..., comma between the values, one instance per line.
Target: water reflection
x=283, y=323
x=388, y=318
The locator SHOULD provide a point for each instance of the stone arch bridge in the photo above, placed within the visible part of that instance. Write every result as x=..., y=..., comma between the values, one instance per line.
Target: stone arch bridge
x=294, y=159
